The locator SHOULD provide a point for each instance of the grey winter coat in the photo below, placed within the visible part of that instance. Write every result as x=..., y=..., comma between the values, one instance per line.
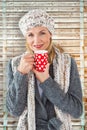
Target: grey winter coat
x=71, y=102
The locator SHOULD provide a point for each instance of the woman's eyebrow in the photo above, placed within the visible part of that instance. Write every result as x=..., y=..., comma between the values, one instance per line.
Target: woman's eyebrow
x=29, y=32
x=43, y=30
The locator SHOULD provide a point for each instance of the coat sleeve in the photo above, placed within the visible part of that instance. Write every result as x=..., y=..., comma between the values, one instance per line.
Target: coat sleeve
x=71, y=102
x=16, y=97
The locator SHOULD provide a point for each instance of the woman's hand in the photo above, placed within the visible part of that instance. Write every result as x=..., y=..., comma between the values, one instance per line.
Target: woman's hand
x=26, y=63
x=42, y=76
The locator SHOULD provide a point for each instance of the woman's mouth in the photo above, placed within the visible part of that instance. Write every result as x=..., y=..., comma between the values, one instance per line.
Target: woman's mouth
x=38, y=46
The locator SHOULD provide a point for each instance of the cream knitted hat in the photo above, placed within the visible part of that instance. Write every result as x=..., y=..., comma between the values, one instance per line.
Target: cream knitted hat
x=36, y=17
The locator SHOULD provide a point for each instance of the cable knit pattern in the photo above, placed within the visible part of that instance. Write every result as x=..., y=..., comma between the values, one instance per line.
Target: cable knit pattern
x=62, y=64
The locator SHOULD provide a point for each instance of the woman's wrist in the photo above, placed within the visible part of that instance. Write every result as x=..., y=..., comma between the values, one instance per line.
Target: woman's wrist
x=45, y=78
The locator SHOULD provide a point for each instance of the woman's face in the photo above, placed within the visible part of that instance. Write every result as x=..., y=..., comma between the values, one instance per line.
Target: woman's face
x=38, y=38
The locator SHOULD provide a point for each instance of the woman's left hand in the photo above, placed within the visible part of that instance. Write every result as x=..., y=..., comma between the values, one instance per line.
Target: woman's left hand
x=42, y=76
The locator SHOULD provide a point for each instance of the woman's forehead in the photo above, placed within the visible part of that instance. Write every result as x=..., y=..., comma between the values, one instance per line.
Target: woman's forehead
x=38, y=29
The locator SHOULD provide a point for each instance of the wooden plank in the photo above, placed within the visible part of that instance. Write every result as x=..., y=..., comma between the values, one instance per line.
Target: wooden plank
x=85, y=8
x=85, y=25
x=64, y=20
x=85, y=50
x=22, y=8
x=66, y=1
x=47, y=3
x=67, y=18
x=68, y=42
x=85, y=19
x=53, y=14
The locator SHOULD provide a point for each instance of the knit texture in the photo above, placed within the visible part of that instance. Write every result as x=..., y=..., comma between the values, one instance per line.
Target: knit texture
x=36, y=17
x=61, y=66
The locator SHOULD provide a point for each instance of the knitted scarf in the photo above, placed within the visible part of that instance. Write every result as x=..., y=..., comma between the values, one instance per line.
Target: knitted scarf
x=61, y=69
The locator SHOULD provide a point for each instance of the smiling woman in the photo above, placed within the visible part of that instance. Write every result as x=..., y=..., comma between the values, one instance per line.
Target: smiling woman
x=43, y=100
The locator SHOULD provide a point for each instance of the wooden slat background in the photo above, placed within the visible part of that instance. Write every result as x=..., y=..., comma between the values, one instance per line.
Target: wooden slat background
x=70, y=32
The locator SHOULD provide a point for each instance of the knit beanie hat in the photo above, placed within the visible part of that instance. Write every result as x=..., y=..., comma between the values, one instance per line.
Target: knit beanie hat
x=36, y=17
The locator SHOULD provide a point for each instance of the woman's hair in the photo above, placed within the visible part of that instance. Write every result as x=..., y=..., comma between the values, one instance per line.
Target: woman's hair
x=50, y=49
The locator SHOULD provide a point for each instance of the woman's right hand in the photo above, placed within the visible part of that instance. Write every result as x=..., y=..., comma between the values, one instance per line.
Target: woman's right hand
x=26, y=63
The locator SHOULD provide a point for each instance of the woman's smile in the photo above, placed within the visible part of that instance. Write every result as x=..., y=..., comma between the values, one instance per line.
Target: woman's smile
x=38, y=46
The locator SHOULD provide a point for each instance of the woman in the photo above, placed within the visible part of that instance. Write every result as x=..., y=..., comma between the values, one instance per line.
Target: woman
x=43, y=100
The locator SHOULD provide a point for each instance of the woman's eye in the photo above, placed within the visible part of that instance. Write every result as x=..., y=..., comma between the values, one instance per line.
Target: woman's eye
x=30, y=35
x=43, y=33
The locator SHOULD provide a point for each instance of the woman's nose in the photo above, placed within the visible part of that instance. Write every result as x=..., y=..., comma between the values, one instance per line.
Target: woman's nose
x=36, y=39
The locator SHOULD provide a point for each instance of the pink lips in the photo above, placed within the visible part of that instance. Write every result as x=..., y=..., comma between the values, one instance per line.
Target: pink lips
x=38, y=46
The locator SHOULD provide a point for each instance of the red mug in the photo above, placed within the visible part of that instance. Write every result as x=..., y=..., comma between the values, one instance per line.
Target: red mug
x=41, y=60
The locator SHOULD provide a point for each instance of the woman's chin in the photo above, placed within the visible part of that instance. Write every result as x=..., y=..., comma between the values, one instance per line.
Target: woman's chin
x=36, y=49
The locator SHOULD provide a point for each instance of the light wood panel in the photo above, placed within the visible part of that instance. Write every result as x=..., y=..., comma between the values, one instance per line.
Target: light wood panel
x=66, y=14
